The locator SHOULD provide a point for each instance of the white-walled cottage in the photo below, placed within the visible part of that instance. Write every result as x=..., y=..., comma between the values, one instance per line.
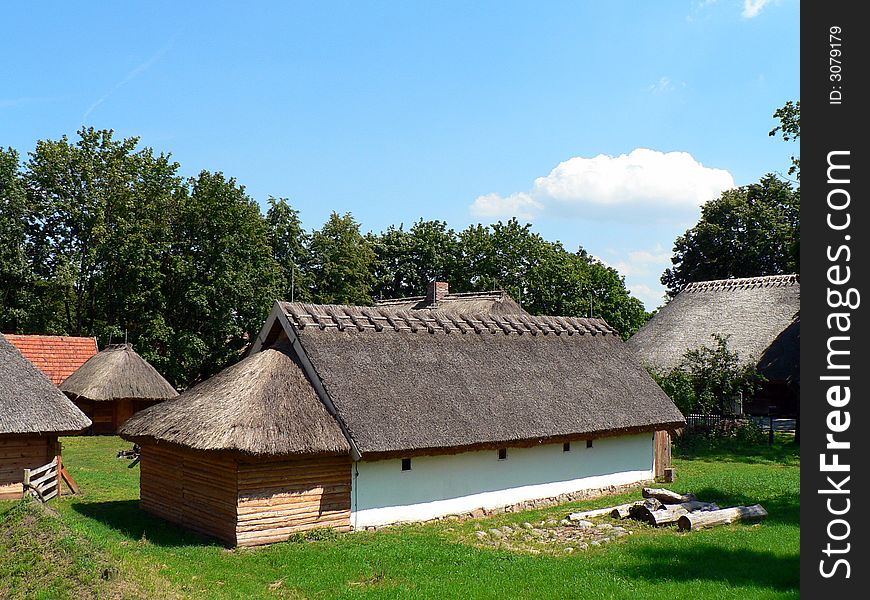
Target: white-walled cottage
x=350, y=417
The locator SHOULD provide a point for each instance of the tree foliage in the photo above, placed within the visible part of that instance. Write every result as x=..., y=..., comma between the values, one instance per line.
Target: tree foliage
x=541, y=275
x=342, y=263
x=708, y=379
x=102, y=237
x=748, y=231
x=789, y=127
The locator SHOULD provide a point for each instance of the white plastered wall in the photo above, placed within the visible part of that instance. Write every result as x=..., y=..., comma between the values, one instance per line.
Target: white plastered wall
x=449, y=484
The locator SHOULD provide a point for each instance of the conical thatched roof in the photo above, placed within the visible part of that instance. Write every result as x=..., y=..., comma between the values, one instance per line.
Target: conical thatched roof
x=29, y=402
x=117, y=372
x=261, y=405
x=752, y=312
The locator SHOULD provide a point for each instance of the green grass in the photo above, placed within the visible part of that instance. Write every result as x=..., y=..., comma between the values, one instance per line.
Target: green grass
x=147, y=557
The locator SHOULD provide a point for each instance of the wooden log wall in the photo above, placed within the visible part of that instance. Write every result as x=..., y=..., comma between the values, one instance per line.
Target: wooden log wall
x=19, y=452
x=281, y=497
x=192, y=488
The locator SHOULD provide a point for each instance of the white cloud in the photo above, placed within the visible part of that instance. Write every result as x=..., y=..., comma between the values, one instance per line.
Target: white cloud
x=624, y=187
x=664, y=179
x=752, y=8
x=644, y=262
x=520, y=205
x=651, y=298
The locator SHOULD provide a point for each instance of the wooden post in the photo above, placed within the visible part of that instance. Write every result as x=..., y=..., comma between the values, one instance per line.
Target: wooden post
x=59, y=456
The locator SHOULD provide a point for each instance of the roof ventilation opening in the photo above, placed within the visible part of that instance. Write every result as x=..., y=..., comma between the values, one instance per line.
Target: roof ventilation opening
x=436, y=291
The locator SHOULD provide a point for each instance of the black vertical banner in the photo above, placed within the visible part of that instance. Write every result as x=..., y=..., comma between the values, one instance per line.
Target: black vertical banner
x=835, y=299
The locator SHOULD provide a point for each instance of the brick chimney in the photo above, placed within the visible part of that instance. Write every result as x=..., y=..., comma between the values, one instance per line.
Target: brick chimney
x=436, y=291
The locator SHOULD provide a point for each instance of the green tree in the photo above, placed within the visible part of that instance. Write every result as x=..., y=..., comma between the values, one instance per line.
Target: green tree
x=290, y=249
x=16, y=275
x=99, y=211
x=221, y=279
x=707, y=379
x=342, y=263
x=789, y=127
x=748, y=231
x=405, y=261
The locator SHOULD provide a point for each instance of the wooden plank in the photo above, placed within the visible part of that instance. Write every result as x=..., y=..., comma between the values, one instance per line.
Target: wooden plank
x=47, y=476
x=43, y=468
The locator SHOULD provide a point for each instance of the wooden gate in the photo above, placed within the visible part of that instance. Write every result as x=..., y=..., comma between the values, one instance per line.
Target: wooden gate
x=44, y=480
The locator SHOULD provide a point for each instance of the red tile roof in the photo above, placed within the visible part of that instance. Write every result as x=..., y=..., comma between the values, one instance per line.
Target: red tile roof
x=58, y=356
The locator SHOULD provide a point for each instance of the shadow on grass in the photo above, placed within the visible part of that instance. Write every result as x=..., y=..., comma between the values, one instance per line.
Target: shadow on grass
x=747, y=568
x=125, y=517
x=783, y=451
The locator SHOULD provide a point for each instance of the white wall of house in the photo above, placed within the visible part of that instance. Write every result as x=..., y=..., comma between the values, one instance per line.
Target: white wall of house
x=448, y=484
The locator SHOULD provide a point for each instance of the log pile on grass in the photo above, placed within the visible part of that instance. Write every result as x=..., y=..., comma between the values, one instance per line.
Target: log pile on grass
x=665, y=507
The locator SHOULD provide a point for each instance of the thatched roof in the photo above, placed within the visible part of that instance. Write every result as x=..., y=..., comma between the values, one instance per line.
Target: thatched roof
x=752, y=312
x=261, y=405
x=117, y=372
x=29, y=402
x=470, y=303
x=415, y=380
x=58, y=356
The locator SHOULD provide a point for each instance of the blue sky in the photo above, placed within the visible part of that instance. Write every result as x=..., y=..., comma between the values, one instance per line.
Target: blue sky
x=606, y=124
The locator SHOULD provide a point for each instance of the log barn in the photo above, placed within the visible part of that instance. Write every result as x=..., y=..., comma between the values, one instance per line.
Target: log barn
x=760, y=316
x=351, y=417
x=113, y=385
x=33, y=413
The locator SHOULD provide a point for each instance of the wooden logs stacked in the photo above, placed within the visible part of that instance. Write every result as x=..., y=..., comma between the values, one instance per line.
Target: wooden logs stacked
x=665, y=507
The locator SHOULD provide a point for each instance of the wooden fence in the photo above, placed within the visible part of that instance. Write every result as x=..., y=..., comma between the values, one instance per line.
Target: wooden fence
x=44, y=480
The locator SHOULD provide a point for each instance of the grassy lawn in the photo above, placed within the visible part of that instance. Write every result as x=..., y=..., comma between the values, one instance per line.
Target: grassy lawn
x=109, y=548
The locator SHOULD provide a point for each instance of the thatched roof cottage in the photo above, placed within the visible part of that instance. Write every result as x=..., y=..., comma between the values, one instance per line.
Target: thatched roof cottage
x=760, y=317
x=58, y=356
x=350, y=417
x=113, y=385
x=33, y=413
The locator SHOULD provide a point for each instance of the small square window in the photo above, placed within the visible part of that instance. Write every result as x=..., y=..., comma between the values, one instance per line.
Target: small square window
x=406, y=464
x=566, y=447
x=502, y=453
x=588, y=443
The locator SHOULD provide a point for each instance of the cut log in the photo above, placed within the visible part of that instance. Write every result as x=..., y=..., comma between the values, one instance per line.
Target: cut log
x=699, y=520
x=670, y=513
x=667, y=496
x=597, y=512
x=623, y=511
x=641, y=510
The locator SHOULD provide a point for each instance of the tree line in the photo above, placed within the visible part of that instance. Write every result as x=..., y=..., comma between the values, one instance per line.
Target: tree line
x=102, y=237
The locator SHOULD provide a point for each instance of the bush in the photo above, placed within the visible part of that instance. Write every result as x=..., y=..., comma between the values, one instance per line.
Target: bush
x=707, y=379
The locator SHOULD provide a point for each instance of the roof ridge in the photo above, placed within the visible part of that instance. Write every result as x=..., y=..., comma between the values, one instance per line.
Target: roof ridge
x=450, y=296
x=743, y=283
x=373, y=318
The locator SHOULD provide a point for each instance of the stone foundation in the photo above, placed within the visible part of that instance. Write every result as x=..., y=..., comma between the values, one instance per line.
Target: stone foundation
x=480, y=513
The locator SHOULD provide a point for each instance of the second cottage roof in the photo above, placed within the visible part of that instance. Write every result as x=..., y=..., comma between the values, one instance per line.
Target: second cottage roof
x=752, y=312
x=117, y=372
